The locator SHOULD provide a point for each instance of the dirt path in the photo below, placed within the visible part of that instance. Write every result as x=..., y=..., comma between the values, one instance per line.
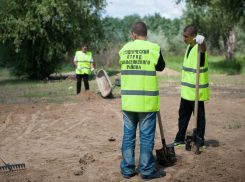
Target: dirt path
x=69, y=141
x=51, y=139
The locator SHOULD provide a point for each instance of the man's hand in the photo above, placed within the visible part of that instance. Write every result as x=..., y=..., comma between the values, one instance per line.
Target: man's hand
x=92, y=70
x=79, y=68
x=199, y=39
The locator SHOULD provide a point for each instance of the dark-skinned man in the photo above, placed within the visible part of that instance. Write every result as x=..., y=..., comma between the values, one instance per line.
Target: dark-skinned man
x=84, y=62
x=139, y=61
x=188, y=86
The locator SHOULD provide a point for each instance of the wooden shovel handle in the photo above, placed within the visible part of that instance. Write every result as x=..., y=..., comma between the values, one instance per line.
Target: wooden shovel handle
x=160, y=125
x=197, y=84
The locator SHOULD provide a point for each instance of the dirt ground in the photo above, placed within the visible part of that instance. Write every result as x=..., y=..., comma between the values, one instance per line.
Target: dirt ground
x=69, y=141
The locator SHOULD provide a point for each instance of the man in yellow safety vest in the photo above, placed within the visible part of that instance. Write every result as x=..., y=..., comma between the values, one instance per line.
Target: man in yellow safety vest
x=188, y=86
x=139, y=61
x=84, y=62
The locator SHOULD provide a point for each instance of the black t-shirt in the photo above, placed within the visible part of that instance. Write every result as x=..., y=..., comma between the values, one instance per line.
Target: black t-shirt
x=202, y=62
x=161, y=63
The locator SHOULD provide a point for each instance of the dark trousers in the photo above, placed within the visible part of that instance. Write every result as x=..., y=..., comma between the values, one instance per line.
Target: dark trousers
x=79, y=80
x=186, y=109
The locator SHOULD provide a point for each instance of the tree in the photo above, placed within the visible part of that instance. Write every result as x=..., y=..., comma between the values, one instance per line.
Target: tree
x=37, y=33
x=216, y=18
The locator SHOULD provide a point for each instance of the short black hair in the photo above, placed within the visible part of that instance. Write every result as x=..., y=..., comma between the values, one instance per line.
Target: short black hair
x=191, y=29
x=139, y=28
x=85, y=45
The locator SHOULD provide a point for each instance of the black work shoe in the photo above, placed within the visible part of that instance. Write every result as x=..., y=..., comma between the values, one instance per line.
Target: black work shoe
x=128, y=176
x=158, y=174
x=176, y=144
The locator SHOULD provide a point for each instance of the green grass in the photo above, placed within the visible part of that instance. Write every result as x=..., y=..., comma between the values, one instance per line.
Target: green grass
x=31, y=95
x=4, y=72
x=174, y=63
x=216, y=64
x=67, y=68
x=233, y=127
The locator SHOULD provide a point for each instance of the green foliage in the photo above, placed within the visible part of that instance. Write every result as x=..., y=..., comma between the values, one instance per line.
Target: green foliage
x=215, y=19
x=67, y=68
x=211, y=21
x=119, y=29
x=236, y=66
x=37, y=34
x=235, y=7
x=165, y=32
x=216, y=65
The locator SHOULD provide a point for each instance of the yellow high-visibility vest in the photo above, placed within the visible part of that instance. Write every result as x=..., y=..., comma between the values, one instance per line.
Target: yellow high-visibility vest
x=139, y=87
x=188, y=80
x=84, y=63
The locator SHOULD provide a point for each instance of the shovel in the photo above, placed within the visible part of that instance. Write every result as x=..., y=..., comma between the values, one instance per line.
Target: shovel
x=10, y=167
x=194, y=138
x=166, y=155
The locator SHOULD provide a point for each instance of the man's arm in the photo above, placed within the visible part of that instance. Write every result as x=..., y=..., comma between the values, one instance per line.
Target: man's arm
x=91, y=65
x=203, y=50
x=161, y=63
x=75, y=60
x=203, y=47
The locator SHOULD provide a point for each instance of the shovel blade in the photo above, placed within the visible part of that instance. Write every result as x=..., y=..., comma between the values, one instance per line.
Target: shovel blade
x=189, y=139
x=198, y=142
x=166, y=157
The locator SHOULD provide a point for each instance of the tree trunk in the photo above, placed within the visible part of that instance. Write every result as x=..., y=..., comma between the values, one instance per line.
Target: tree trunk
x=229, y=42
x=216, y=45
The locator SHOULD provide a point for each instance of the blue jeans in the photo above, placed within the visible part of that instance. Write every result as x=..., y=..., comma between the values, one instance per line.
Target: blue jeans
x=147, y=127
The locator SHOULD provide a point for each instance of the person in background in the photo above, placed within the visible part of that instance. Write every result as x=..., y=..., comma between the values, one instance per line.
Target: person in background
x=83, y=60
x=188, y=86
x=139, y=61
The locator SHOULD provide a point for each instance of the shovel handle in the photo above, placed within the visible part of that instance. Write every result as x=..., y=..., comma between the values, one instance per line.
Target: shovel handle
x=197, y=85
x=160, y=125
x=5, y=162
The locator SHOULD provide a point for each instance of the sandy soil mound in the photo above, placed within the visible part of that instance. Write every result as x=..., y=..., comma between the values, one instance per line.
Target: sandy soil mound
x=86, y=95
x=169, y=72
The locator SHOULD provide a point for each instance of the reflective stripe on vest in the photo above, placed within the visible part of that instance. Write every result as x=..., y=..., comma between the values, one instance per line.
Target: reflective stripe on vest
x=139, y=88
x=195, y=70
x=194, y=86
x=188, y=80
x=140, y=92
x=84, y=63
x=138, y=72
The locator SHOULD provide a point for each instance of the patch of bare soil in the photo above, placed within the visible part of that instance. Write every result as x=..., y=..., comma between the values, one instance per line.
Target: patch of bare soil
x=86, y=95
x=169, y=72
x=70, y=141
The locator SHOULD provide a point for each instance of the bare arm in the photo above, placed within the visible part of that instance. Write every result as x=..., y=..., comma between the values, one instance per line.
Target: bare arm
x=91, y=65
x=203, y=47
x=75, y=63
x=75, y=60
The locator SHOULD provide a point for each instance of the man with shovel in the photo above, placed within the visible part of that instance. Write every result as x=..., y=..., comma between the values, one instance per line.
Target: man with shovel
x=139, y=61
x=188, y=85
x=83, y=60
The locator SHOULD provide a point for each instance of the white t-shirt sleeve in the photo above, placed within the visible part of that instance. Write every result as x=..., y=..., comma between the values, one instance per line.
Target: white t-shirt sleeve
x=75, y=58
x=92, y=59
